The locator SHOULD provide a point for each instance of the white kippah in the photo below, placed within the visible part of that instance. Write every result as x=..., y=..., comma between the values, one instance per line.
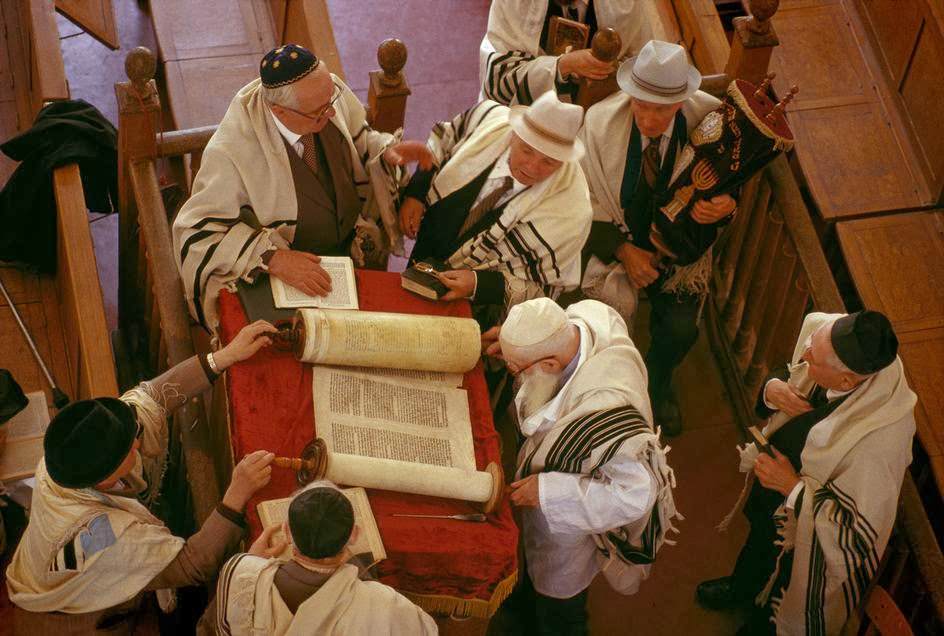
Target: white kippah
x=532, y=322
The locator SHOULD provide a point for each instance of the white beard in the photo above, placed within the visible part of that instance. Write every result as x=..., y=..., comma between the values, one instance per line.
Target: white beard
x=537, y=389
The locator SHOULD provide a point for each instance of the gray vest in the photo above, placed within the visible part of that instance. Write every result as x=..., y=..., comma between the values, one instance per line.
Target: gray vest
x=328, y=203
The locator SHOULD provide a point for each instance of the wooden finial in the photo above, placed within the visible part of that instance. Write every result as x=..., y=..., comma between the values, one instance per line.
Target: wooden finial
x=391, y=55
x=606, y=45
x=140, y=66
x=761, y=13
x=764, y=85
x=294, y=463
x=782, y=104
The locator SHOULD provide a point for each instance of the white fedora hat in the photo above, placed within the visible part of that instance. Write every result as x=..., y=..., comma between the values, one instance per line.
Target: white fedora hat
x=660, y=74
x=549, y=126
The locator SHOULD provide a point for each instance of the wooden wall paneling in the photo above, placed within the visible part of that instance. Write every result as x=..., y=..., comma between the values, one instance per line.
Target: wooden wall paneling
x=895, y=26
x=702, y=34
x=921, y=354
x=95, y=17
x=922, y=92
x=279, y=10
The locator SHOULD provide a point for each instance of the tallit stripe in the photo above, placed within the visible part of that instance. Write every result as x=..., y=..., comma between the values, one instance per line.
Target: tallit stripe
x=222, y=595
x=520, y=246
x=495, y=62
x=580, y=437
x=816, y=591
x=227, y=221
x=194, y=238
x=850, y=503
x=548, y=246
x=198, y=284
x=249, y=241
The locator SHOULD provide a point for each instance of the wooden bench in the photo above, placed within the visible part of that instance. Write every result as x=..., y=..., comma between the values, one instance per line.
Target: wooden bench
x=866, y=136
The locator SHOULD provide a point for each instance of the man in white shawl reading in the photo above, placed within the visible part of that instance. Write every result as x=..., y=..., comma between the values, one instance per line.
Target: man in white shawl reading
x=593, y=488
x=316, y=591
x=507, y=209
x=635, y=139
x=840, y=427
x=518, y=61
x=293, y=172
x=92, y=549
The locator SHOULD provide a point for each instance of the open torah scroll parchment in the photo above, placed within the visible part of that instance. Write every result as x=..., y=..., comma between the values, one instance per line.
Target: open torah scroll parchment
x=386, y=418
x=275, y=511
x=396, y=341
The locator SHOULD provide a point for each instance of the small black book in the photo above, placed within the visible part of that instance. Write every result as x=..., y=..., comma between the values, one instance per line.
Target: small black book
x=256, y=299
x=419, y=279
x=760, y=439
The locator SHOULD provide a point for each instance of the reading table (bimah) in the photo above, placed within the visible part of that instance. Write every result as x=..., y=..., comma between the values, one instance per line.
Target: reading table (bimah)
x=446, y=567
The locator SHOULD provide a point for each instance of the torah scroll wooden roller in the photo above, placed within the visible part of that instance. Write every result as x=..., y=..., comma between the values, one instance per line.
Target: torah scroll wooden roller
x=484, y=488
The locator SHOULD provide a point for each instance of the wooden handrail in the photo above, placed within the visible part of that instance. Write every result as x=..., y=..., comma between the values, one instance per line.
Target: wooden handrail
x=182, y=142
x=168, y=297
x=47, y=70
x=80, y=293
x=919, y=535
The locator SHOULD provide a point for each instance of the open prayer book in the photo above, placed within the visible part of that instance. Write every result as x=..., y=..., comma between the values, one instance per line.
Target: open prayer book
x=395, y=396
x=275, y=511
x=343, y=288
x=25, y=433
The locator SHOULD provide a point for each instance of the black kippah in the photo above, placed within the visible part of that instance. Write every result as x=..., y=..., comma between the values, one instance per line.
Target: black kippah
x=87, y=441
x=321, y=521
x=864, y=341
x=286, y=64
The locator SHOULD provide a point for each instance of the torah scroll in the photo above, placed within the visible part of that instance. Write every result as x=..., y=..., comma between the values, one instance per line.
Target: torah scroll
x=376, y=339
x=483, y=487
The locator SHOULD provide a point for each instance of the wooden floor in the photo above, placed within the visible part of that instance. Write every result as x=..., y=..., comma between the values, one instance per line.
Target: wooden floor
x=856, y=158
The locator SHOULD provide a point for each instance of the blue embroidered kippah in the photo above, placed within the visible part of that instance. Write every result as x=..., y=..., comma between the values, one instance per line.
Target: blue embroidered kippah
x=286, y=64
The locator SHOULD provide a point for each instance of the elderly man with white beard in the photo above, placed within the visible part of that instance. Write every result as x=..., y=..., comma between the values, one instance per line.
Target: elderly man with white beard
x=592, y=486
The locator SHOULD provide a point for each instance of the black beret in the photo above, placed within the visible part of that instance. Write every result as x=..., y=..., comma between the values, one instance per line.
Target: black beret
x=12, y=400
x=87, y=441
x=864, y=341
x=321, y=521
x=286, y=64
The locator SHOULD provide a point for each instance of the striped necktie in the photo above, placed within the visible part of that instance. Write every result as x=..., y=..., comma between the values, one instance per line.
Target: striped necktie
x=488, y=202
x=310, y=153
x=652, y=161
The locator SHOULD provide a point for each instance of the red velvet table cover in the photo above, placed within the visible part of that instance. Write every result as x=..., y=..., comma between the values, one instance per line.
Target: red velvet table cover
x=462, y=568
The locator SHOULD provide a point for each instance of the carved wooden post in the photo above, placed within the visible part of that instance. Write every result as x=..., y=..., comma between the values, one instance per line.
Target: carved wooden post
x=606, y=47
x=753, y=42
x=139, y=112
x=386, y=97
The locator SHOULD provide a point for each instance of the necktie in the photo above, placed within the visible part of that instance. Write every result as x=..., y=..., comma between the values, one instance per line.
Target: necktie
x=488, y=202
x=310, y=153
x=573, y=13
x=817, y=397
x=652, y=161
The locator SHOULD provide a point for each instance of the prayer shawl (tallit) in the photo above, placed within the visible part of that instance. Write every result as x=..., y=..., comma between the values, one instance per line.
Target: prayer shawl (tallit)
x=605, y=414
x=606, y=133
x=853, y=465
x=245, y=163
x=512, y=66
x=536, y=241
x=114, y=545
x=249, y=603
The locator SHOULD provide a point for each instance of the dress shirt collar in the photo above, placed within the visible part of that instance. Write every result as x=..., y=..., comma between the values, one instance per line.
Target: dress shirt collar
x=550, y=412
x=291, y=137
x=663, y=140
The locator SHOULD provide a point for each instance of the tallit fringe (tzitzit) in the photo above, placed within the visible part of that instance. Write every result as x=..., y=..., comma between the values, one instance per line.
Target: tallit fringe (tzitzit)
x=786, y=540
x=442, y=605
x=739, y=504
x=692, y=279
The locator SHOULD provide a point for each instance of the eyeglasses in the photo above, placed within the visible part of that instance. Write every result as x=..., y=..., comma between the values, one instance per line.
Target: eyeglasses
x=321, y=112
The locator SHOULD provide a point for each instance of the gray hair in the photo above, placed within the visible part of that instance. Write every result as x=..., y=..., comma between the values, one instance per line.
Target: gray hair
x=281, y=96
